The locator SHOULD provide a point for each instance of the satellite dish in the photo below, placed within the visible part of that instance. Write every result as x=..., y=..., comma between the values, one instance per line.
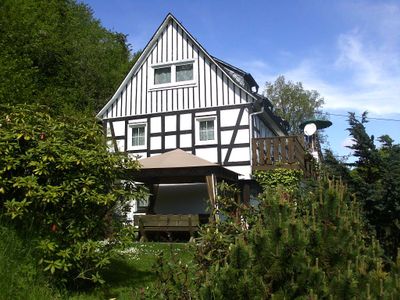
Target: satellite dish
x=310, y=129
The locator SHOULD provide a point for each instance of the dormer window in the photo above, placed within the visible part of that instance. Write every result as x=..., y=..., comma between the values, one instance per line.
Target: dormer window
x=173, y=74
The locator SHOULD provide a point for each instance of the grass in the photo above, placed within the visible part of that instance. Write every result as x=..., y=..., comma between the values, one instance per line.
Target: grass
x=135, y=269
x=19, y=277
x=132, y=270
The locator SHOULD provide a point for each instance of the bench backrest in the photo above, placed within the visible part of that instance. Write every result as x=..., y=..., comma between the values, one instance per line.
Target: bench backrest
x=169, y=220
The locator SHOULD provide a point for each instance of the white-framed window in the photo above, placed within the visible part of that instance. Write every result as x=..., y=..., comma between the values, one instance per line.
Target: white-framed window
x=206, y=130
x=169, y=75
x=137, y=136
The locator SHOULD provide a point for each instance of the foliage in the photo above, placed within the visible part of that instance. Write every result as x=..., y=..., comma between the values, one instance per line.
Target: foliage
x=335, y=167
x=178, y=280
x=292, y=102
x=309, y=248
x=55, y=53
x=375, y=180
x=287, y=179
x=19, y=277
x=61, y=185
x=133, y=269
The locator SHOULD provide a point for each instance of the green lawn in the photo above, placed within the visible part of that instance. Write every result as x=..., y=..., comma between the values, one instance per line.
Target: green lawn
x=135, y=269
x=132, y=270
x=19, y=277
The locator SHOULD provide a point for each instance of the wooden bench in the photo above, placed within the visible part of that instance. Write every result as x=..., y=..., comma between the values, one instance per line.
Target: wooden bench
x=167, y=223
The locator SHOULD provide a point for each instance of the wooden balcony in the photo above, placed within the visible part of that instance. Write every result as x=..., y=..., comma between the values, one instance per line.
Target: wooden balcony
x=282, y=152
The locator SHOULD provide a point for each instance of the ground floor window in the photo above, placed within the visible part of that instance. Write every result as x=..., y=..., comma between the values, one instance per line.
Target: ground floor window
x=206, y=130
x=138, y=135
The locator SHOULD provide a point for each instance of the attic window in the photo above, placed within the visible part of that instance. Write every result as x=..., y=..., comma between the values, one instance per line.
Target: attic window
x=184, y=72
x=162, y=75
x=173, y=74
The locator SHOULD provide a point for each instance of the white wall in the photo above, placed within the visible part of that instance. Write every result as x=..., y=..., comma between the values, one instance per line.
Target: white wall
x=210, y=87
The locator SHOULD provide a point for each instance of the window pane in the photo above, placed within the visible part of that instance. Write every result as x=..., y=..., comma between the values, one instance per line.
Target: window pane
x=203, y=125
x=210, y=130
x=162, y=75
x=210, y=125
x=184, y=72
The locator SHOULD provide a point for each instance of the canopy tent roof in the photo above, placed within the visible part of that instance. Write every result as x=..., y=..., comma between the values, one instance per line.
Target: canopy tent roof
x=178, y=166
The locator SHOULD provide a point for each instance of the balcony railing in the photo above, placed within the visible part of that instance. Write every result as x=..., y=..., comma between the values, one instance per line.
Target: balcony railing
x=282, y=152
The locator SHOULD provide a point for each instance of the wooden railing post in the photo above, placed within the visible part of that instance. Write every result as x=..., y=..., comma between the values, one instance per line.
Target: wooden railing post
x=254, y=149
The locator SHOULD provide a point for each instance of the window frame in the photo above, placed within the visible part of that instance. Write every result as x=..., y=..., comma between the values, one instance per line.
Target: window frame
x=174, y=83
x=205, y=119
x=131, y=126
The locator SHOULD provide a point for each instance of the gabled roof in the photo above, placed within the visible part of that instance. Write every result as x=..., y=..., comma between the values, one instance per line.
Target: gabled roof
x=148, y=48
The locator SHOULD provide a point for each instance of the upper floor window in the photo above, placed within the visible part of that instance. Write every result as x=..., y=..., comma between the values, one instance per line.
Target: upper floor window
x=162, y=75
x=184, y=72
x=173, y=74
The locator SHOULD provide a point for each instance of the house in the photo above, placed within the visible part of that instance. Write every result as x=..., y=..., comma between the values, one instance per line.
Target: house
x=178, y=96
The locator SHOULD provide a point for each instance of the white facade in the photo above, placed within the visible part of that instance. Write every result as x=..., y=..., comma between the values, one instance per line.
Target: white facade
x=178, y=96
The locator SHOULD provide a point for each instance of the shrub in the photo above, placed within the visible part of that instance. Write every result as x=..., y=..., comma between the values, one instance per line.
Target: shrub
x=310, y=247
x=61, y=185
x=286, y=179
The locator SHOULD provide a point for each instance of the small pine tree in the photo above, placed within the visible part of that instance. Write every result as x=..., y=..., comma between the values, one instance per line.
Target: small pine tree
x=317, y=251
x=312, y=247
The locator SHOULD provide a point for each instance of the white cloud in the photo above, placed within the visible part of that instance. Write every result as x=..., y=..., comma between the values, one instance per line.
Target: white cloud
x=365, y=71
x=348, y=142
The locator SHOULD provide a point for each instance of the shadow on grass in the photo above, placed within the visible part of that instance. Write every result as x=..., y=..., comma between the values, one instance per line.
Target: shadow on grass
x=126, y=275
x=123, y=273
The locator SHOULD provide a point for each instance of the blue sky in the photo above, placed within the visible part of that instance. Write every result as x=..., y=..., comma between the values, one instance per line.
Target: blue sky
x=349, y=51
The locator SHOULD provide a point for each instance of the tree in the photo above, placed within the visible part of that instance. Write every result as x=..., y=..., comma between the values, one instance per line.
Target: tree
x=335, y=167
x=56, y=53
x=375, y=180
x=292, y=102
x=61, y=186
x=307, y=247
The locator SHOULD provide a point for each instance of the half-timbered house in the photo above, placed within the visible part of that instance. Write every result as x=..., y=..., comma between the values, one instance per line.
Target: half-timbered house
x=177, y=95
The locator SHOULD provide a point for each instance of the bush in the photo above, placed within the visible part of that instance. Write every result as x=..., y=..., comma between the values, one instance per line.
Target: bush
x=61, y=185
x=310, y=247
x=287, y=179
